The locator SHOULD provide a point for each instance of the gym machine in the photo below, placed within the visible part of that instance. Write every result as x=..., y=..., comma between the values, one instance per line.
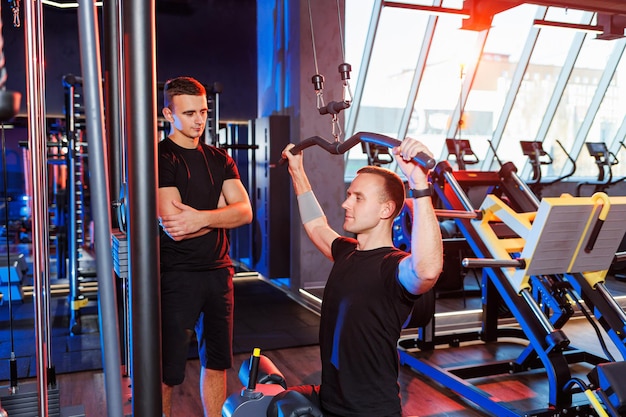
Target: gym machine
x=265, y=393
x=538, y=268
x=538, y=157
x=43, y=396
x=338, y=148
x=66, y=158
x=462, y=152
x=541, y=303
x=604, y=160
x=73, y=214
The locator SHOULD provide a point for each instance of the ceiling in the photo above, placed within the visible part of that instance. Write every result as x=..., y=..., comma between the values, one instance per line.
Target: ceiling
x=600, y=6
x=611, y=14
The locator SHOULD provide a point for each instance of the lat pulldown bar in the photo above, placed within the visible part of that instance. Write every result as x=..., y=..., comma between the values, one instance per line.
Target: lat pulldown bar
x=338, y=148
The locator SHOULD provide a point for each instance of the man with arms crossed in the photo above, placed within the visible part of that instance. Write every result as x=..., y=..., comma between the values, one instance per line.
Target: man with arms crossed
x=200, y=196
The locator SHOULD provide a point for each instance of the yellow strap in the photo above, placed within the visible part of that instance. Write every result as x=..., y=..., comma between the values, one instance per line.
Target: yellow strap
x=597, y=406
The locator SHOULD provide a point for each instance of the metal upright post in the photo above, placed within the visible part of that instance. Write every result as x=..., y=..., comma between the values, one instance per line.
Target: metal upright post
x=100, y=203
x=115, y=139
x=114, y=104
x=35, y=89
x=140, y=81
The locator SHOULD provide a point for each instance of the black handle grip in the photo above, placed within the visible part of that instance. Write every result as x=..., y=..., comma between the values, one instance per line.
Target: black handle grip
x=254, y=368
x=421, y=158
x=338, y=148
x=334, y=107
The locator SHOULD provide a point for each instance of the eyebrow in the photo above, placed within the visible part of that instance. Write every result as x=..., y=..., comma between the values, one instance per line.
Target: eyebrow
x=194, y=111
x=356, y=193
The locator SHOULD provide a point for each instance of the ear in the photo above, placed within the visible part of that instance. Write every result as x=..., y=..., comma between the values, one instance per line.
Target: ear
x=167, y=113
x=387, y=209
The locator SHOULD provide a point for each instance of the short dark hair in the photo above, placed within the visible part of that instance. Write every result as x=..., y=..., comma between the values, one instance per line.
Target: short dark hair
x=393, y=187
x=180, y=86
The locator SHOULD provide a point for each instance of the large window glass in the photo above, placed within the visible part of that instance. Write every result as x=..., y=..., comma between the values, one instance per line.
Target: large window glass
x=609, y=117
x=391, y=67
x=440, y=90
x=547, y=63
x=528, y=83
x=501, y=56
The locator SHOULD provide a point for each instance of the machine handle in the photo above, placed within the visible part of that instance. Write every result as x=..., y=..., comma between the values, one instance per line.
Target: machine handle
x=493, y=263
x=254, y=368
x=597, y=227
x=338, y=148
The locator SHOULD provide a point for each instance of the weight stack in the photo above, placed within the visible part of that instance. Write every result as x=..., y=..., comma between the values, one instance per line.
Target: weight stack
x=25, y=402
x=119, y=250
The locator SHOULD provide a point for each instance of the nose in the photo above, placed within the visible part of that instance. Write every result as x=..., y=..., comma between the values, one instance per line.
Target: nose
x=199, y=118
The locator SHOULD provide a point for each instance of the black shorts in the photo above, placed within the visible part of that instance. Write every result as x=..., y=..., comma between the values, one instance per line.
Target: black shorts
x=200, y=301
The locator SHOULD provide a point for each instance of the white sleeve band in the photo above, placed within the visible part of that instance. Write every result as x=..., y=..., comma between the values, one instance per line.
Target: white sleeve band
x=309, y=207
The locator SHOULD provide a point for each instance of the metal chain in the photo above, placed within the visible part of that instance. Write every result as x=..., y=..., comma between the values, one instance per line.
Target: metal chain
x=336, y=127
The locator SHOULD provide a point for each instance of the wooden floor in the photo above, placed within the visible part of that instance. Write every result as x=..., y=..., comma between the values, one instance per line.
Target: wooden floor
x=299, y=366
x=420, y=395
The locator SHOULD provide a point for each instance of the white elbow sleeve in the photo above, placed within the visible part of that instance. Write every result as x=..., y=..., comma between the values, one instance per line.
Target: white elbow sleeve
x=309, y=207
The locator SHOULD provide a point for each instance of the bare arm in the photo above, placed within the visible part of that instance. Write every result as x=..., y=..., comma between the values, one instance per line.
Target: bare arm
x=318, y=229
x=419, y=272
x=181, y=221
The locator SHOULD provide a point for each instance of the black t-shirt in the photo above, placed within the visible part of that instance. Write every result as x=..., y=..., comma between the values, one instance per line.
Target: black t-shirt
x=363, y=310
x=199, y=175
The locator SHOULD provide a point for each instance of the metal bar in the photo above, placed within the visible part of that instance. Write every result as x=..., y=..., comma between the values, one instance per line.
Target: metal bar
x=456, y=188
x=614, y=306
x=35, y=86
x=456, y=214
x=114, y=109
x=140, y=82
x=100, y=204
x=492, y=263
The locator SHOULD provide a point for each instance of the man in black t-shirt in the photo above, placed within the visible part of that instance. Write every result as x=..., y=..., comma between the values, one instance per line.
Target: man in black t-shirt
x=372, y=286
x=200, y=196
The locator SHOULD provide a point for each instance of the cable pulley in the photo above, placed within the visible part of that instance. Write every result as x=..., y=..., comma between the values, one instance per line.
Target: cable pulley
x=334, y=107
